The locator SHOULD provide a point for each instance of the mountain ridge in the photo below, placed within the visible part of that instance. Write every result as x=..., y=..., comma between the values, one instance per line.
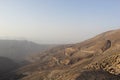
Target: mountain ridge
x=97, y=58
x=18, y=50
x=81, y=61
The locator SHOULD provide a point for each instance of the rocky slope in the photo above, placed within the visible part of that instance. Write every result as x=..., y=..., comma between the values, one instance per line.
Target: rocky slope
x=95, y=59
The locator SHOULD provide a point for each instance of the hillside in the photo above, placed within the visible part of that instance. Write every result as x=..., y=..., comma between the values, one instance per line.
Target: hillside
x=6, y=66
x=97, y=58
x=18, y=50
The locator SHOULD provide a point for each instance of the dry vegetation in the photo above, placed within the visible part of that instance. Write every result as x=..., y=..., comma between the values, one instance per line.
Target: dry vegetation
x=94, y=59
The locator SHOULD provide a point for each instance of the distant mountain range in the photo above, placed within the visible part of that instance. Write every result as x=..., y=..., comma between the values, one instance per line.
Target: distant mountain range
x=14, y=53
x=18, y=50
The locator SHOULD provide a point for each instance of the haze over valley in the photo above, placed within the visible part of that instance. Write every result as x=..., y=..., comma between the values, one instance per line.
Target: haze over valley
x=59, y=40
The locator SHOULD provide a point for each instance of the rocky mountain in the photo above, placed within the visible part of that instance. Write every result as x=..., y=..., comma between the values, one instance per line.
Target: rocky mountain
x=18, y=50
x=97, y=58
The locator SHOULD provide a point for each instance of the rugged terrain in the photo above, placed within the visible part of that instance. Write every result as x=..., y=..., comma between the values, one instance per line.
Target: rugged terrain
x=97, y=58
x=15, y=53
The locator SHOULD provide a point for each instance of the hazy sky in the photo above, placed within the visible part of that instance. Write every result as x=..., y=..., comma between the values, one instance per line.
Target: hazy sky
x=57, y=21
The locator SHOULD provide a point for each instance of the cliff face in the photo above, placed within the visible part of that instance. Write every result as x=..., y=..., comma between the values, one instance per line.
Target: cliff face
x=95, y=59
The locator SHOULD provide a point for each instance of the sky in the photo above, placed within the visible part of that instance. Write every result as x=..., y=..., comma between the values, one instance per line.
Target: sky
x=57, y=21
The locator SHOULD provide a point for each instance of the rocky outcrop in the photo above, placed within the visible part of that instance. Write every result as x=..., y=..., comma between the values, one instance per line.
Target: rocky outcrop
x=107, y=45
x=70, y=50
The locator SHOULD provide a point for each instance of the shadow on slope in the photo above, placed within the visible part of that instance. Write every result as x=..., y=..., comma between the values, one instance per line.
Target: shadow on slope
x=97, y=75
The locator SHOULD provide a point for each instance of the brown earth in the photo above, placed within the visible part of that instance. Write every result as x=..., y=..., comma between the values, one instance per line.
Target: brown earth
x=97, y=58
